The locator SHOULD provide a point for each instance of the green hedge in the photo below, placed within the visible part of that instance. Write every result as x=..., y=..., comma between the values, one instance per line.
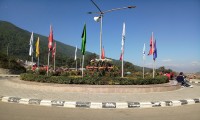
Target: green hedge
x=92, y=80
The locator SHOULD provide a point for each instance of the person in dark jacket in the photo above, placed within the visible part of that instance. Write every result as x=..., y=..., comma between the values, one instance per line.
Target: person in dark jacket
x=181, y=79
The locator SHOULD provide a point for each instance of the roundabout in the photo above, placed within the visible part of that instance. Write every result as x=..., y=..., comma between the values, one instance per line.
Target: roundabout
x=14, y=90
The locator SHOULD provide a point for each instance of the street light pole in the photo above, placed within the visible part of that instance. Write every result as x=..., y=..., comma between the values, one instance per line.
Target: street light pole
x=101, y=35
x=101, y=13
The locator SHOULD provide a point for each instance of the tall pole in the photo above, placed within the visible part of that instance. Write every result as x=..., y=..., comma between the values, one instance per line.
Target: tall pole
x=38, y=61
x=76, y=65
x=48, y=63
x=101, y=17
x=82, y=65
x=143, y=68
x=123, y=63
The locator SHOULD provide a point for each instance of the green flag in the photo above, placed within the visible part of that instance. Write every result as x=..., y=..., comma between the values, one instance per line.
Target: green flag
x=83, y=40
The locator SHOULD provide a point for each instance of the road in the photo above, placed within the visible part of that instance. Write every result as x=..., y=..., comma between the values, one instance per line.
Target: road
x=13, y=111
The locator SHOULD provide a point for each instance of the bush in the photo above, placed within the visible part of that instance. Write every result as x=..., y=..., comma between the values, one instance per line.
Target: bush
x=96, y=80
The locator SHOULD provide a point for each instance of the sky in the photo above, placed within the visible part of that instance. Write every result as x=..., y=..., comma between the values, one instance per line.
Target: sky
x=174, y=23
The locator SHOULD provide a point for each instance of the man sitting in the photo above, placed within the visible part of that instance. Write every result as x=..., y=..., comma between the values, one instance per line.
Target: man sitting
x=181, y=79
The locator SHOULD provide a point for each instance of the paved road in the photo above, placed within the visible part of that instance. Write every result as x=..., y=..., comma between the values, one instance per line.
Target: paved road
x=41, y=91
x=11, y=111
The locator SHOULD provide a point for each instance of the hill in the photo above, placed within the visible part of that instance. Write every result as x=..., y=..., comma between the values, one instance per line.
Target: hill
x=16, y=41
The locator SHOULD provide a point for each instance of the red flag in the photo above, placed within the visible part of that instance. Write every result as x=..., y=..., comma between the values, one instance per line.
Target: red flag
x=120, y=57
x=151, y=45
x=50, y=44
x=103, y=54
x=54, y=50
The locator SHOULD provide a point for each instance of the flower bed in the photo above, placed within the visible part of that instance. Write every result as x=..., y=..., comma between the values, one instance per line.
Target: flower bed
x=94, y=80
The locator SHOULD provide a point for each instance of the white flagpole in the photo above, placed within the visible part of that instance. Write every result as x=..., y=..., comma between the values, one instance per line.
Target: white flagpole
x=152, y=52
x=143, y=59
x=55, y=57
x=48, y=63
x=38, y=60
x=82, y=65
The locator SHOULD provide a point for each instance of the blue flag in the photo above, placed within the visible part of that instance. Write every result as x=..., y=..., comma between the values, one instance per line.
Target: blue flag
x=155, y=51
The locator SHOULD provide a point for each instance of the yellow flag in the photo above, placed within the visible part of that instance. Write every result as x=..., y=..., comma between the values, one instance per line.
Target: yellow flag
x=37, y=47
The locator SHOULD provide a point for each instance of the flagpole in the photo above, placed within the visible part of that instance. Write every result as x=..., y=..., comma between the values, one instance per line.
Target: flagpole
x=153, y=52
x=55, y=56
x=38, y=61
x=123, y=64
x=143, y=68
x=76, y=65
x=48, y=63
x=82, y=65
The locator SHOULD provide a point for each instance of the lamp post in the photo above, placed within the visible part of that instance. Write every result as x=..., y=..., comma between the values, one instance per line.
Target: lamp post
x=100, y=18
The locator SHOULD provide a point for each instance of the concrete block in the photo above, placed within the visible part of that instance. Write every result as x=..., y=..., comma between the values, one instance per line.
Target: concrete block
x=70, y=104
x=96, y=105
x=24, y=101
x=145, y=104
x=121, y=105
x=45, y=102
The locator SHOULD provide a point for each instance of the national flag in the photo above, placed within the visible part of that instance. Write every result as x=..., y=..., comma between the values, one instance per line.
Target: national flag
x=54, y=50
x=75, y=53
x=151, y=45
x=83, y=46
x=144, y=52
x=155, y=51
x=31, y=45
x=103, y=54
x=50, y=44
x=37, y=47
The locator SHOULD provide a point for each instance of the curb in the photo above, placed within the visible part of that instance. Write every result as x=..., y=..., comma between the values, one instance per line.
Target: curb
x=9, y=76
x=195, y=82
x=98, y=105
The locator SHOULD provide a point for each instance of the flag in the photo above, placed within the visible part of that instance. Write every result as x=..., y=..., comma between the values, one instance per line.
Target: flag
x=37, y=47
x=83, y=40
x=103, y=54
x=50, y=44
x=54, y=50
x=123, y=41
x=31, y=45
x=120, y=57
x=155, y=51
x=151, y=45
x=75, y=53
x=144, y=52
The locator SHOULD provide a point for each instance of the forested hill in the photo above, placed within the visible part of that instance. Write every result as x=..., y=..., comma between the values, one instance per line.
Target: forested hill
x=17, y=41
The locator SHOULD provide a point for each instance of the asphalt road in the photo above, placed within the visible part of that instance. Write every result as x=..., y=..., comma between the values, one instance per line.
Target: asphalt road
x=13, y=111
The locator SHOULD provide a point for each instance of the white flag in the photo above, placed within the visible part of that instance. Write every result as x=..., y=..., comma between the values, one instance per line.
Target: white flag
x=75, y=53
x=123, y=38
x=31, y=45
x=144, y=52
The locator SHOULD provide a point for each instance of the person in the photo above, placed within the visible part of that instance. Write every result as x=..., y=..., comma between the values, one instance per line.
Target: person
x=181, y=79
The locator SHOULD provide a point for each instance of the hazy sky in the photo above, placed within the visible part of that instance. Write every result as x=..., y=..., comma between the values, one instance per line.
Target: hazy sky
x=175, y=23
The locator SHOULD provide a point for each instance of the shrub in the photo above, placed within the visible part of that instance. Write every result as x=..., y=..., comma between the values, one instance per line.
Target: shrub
x=96, y=80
